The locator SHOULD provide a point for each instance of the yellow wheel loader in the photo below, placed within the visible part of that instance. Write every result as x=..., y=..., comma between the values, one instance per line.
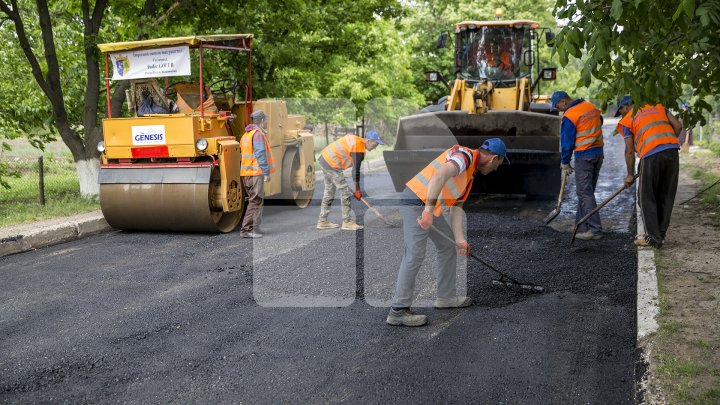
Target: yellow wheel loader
x=491, y=96
x=174, y=165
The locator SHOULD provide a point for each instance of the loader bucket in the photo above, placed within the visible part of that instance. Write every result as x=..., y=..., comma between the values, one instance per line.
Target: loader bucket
x=532, y=141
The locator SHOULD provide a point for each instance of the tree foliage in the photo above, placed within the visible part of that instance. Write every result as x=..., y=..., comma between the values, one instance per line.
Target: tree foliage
x=646, y=48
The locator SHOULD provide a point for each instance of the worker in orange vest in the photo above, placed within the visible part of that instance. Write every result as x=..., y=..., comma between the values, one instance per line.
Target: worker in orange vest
x=652, y=134
x=256, y=164
x=444, y=184
x=581, y=135
x=348, y=151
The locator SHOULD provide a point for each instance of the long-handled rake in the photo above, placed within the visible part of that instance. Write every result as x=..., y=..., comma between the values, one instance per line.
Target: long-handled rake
x=376, y=212
x=602, y=204
x=554, y=213
x=504, y=278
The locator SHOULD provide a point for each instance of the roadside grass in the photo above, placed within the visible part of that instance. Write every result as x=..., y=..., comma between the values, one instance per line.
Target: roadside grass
x=682, y=380
x=685, y=353
x=20, y=203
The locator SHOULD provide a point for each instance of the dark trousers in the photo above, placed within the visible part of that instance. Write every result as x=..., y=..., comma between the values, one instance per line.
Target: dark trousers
x=656, y=188
x=587, y=171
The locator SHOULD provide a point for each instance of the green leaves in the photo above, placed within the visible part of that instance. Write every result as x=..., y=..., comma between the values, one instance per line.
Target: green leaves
x=616, y=10
x=638, y=51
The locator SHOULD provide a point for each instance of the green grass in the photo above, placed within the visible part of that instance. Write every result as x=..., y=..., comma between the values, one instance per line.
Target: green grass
x=703, y=344
x=21, y=202
x=674, y=367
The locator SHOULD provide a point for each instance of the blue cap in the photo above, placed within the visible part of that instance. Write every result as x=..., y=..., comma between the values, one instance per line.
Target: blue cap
x=373, y=136
x=496, y=146
x=623, y=101
x=557, y=96
x=257, y=115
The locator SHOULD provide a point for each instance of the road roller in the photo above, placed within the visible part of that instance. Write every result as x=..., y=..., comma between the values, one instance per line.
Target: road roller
x=172, y=163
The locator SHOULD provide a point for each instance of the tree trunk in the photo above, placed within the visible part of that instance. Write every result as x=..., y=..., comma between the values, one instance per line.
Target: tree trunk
x=87, y=171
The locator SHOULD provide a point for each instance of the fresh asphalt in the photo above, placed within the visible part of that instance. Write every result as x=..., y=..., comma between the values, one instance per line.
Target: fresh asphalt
x=298, y=316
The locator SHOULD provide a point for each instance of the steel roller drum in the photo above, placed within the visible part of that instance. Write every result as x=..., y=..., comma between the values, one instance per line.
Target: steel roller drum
x=162, y=199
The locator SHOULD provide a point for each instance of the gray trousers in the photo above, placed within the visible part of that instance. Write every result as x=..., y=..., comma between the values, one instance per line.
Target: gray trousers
x=587, y=171
x=415, y=239
x=335, y=179
x=255, y=191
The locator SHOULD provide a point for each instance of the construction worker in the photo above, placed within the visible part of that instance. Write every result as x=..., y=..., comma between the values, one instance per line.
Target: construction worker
x=345, y=152
x=652, y=133
x=581, y=135
x=255, y=167
x=445, y=183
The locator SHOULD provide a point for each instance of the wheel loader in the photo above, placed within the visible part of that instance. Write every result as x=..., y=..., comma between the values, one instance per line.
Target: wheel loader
x=174, y=164
x=491, y=96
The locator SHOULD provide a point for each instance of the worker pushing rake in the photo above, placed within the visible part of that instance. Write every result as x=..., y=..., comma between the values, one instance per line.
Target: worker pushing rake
x=445, y=183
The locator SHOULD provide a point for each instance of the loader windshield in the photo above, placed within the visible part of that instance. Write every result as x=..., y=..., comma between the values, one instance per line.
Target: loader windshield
x=493, y=52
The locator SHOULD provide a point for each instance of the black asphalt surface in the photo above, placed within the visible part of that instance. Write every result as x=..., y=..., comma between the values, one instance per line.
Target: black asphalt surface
x=194, y=318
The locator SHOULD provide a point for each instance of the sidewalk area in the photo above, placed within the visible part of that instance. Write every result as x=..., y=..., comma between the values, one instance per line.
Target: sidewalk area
x=24, y=237
x=685, y=351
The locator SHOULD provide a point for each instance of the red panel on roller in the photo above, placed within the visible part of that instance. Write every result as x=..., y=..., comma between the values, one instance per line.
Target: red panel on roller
x=150, y=152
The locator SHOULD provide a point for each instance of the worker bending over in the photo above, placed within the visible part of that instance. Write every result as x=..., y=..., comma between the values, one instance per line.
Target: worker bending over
x=443, y=184
x=581, y=135
x=345, y=152
x=653, y=134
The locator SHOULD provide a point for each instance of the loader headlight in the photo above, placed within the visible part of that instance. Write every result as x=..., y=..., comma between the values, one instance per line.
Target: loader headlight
x=101, y=146
x=201, y=144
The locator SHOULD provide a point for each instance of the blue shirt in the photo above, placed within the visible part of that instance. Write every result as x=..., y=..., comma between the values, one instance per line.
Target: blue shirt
x=627, y=133
x=567, y=139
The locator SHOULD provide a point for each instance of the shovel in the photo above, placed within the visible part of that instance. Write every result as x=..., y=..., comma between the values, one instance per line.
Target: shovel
x=376, y=212
x=593, y=212
x=554, y=213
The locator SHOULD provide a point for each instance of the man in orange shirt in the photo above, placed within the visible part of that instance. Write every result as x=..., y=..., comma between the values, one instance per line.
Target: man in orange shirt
x=444, y=184
x=651, y=134
x=348, y=151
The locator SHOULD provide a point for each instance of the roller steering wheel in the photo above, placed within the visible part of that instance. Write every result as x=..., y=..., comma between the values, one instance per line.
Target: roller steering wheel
x=223, y=90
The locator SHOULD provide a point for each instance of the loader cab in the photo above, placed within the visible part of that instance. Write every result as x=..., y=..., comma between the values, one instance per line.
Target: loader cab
x=498, y=51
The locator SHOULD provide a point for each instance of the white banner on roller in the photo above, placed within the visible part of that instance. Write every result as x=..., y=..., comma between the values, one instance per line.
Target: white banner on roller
x=148, y=135
x=144, y=63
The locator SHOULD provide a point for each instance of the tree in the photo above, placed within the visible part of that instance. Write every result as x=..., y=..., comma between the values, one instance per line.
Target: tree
x=57, y=43
x=646, y=48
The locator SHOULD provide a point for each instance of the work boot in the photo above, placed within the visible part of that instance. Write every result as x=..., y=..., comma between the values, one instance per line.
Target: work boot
x=351, y=226
x=589, y=235
x=405, y=317
x=452, y=302
x=252, y=235
x=326, y=225
x=646, y=241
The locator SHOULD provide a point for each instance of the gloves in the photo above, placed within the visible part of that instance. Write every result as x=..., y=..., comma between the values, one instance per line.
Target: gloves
x=266, y=178
x=358, y=194
x=566, y=168
x=425, y=220
x=463, y=248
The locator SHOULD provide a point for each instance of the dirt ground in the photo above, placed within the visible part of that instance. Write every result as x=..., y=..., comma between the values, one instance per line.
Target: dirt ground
x=685, y=352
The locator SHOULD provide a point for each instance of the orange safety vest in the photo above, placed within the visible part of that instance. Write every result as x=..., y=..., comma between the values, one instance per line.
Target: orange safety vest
x=588, y=126
x=650, y=128
x=455, y=189
x=337, y=154
x=249, y=165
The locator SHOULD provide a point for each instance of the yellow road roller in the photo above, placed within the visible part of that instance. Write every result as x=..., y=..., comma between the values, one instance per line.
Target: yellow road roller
x=173, y=164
